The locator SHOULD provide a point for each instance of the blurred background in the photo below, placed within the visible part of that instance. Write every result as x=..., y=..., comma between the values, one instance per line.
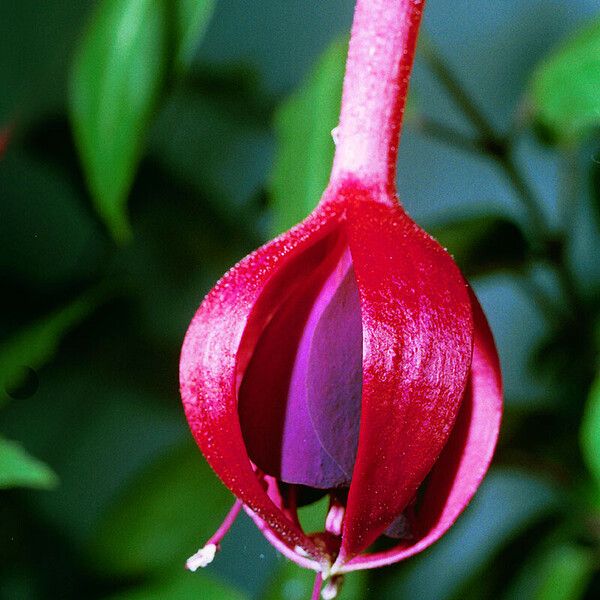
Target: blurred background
x=147, y=145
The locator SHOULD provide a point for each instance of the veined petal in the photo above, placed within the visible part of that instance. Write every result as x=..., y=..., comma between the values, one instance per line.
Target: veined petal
x=334, y=367
x=463, y=463
x=417, y=345
x=299, y=399
x=276, y=425
x=218, y=346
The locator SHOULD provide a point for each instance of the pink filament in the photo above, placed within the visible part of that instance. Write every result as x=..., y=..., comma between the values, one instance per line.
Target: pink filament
x=225, y=526
x=317, y=587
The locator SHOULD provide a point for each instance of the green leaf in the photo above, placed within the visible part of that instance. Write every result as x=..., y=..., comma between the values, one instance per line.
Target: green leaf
x=484, y=243
x=293, y=583
x=590, y=431
x=30, y=348
x=506, y=504
x=558, y=571
x=20, y=469
x=312, y=516
x=305, y=154
x=565, y=89
x=567, y=571
x=183, y=587
x=116, y=81
x=192, y=18
x=163, y=517
x=557, y=568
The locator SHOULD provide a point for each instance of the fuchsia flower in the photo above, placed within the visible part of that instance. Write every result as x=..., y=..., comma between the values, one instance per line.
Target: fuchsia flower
x=348, y=357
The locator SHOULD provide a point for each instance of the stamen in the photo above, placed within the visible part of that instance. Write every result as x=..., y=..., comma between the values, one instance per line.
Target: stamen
x=202, y=558
x=206, y=554
x=332, y=588
x=317, y=586
x=335, y=518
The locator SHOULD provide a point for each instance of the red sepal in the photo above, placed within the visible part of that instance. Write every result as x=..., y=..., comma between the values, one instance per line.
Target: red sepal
x=218, y=346
x=417, y=344
x=466, y=457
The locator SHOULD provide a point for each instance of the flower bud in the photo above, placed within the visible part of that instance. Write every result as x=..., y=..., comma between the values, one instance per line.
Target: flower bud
x=348, y=357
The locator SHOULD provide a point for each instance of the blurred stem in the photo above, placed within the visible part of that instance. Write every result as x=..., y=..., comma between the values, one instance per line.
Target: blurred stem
x=501, y=149
x=442, y=71
x=569, y=183
x=489, y=141
x=527, y=196
x=568, y=197
x=539, y=295
x=447, y=134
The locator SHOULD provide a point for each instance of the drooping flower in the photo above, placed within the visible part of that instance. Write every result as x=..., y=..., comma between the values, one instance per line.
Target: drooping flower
x=348, y=357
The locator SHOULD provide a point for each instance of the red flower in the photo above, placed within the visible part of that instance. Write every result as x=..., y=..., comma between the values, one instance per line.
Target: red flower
x=348, y=357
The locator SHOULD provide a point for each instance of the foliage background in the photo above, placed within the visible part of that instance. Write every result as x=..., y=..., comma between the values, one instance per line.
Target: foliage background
x=225, y=142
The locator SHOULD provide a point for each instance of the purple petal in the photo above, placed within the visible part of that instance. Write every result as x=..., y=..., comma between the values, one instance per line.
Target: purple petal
x=265, y=407
x=323, y=411
x=334, y=379
x=299, y=398
x=400, y=529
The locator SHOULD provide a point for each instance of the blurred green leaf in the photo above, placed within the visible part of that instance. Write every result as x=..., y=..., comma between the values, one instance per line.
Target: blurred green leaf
x=47, y=238
x=117, y=77
x=99, y=425
x=506, y=504
x=483, y=243
x=35, y=345
x=567, y=571
x=565, y=89
x=305, y=151
x=565, y=357
x=36, y=42
x=557, y=570
x=290, y=582
x=163, y=517
x=218, y=148
x=192, y=18
x=590, y=431
x=312, y=516
x=20, y=469
x=595, y=186
x=183, y=586
x=177, y=255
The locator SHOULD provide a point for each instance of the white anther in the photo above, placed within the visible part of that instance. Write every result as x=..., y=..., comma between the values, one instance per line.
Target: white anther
x=202, y=558
x=331, y=589
x=335, y=134
x=301, y=551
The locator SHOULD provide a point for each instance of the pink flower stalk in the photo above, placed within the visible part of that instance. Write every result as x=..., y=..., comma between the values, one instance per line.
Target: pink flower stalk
x=348, y=357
